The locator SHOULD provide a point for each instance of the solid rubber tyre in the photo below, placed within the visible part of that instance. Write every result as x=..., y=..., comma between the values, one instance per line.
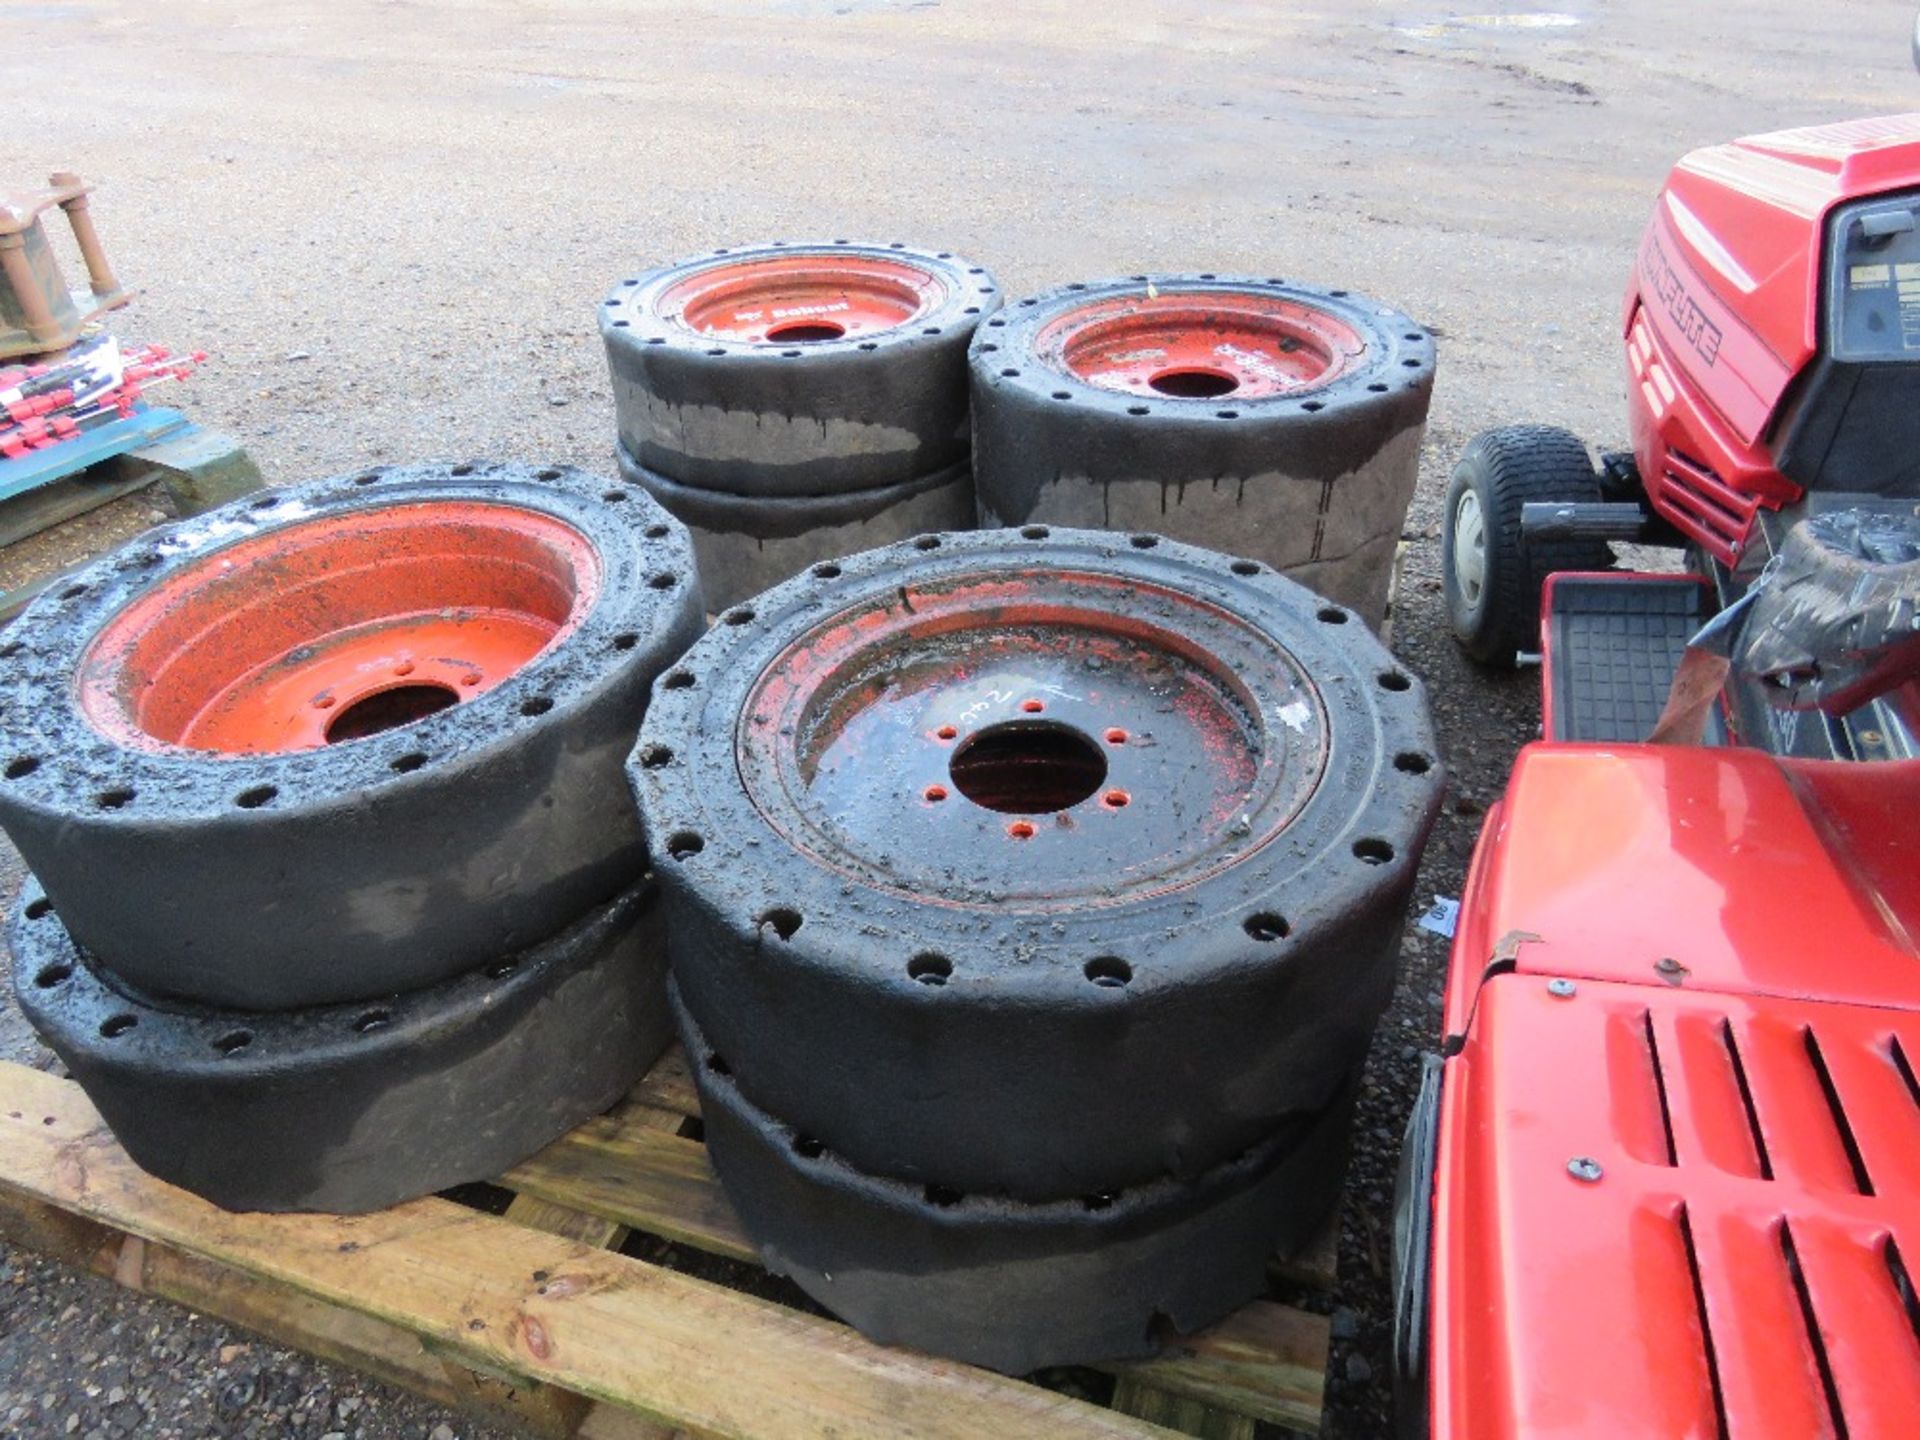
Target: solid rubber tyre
x=1027, y=998
x=1492, y=575
x=350, y=1108
x=1306, y=461
x=1014, y=1287
x=705, y=398
x=746, y=546
x=264, y=869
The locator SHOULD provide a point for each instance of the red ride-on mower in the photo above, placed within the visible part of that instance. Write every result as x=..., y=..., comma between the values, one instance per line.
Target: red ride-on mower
x=1664, y=1178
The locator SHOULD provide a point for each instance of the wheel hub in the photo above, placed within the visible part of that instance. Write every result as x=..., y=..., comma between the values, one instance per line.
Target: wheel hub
x=337, y=628
x=1470, y=548
x=1042, y=739
x=803, y=298
x=1201, y=344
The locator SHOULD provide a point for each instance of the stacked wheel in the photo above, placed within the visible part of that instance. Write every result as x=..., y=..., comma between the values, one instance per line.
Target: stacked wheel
x=1270, y=418
x=1031, y=892
x=329, y=756
x=790, y=402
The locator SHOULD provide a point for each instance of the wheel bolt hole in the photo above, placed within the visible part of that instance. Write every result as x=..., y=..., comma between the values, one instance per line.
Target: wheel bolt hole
x=783, y=920
x=39, y=909
x=1033, y=707
x=929, y=969
x=1115, y=799
x=53, y=975
x=947, y=732
x=934, y=793
x=1266, y=927
x=684, y=845
x=372, y=1020
x=944, y=1196
x=233, y=1042
x=1373, y=850
x=652, y=757
x=1331, y=615
x=117, y=1025
x=114, y=799
x=256, y=797
x=1021, y=830
x=808, y=1148
x=1412, y=763
x=1394, y=680
x=1116, y=736
x=1109, y=972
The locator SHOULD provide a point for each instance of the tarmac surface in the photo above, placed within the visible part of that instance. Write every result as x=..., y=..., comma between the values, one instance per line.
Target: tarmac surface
x=390, y=223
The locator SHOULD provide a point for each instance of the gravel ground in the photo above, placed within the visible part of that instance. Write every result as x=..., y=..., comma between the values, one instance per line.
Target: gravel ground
x=390, y=223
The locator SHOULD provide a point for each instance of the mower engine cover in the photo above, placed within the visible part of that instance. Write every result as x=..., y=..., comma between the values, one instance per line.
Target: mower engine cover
x=1772, y=324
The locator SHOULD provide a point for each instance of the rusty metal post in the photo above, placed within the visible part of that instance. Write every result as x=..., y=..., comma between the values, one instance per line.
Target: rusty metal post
x=35, y=311
x=79, y=216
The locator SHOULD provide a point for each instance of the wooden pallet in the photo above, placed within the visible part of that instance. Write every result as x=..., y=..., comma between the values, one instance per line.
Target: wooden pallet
x=536, y=1316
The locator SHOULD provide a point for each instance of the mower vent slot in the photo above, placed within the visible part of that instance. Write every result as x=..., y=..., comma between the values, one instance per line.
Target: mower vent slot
x=1903, y=1286
x=1660, y=1087
x=1685, y=1222
x=1613, y=645
x=1841, y=1124
x=1760, y=1155
x=1815, y=1341
x=1905, y=1067
x=1718, y=507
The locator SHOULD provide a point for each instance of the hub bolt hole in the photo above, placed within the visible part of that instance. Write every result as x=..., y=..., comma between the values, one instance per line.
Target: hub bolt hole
x=1109, y=972
x=389, y=709
x=1193, y=384
x=1028, y=767
x=805, y=332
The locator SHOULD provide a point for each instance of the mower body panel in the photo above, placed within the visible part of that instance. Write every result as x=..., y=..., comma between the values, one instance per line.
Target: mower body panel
x=1723, y=321
x=1676, y=1213
x=1676, y=1184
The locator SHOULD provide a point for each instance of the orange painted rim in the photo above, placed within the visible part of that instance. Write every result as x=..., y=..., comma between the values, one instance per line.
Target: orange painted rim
x=803, y=298
x=1201, y=344
x=338, y=627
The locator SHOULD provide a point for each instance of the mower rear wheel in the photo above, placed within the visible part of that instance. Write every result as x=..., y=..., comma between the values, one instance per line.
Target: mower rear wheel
x=1491, y=574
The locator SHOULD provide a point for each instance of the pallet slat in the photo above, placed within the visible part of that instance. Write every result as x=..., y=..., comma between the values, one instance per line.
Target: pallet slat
x=1266, y=1361
x=676, y=1349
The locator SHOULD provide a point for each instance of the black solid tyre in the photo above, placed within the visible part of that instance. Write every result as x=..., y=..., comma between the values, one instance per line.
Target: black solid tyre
x=874, y=393
x=208, y=867
x=1271, y=418
x=1013, y=1286
x=1492, y=575
x=1034, y=862
x=349, y=1108
x=749, y=545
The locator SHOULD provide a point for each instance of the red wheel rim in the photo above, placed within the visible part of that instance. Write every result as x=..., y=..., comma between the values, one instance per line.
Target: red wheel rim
x=1082, y=752
x=802, y=298
x=1195, y=344
x=338, y=627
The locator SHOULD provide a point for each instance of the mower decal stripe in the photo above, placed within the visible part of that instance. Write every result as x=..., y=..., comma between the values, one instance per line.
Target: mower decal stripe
x=1739, y=376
